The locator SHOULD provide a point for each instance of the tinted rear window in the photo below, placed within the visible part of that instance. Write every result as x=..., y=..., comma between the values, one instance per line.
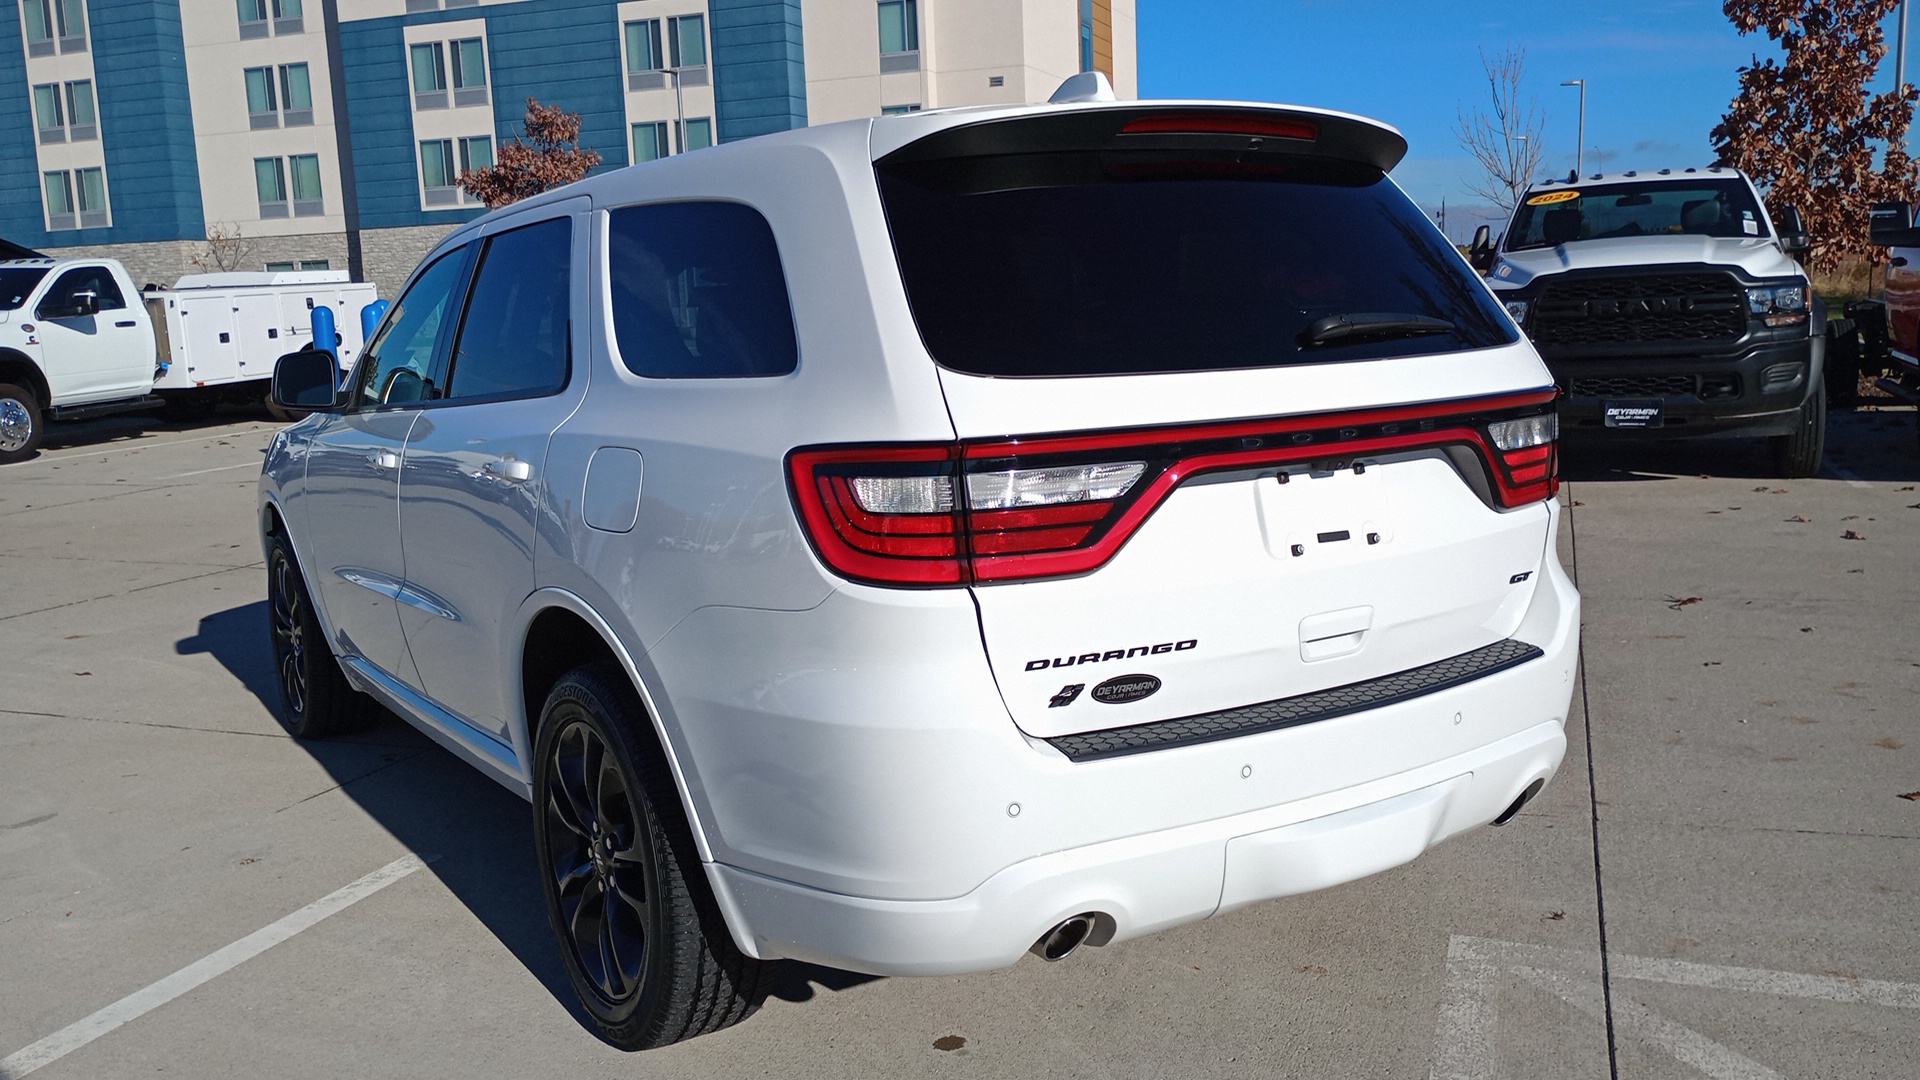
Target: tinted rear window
x=698, y=292
x=16, y=284
x=1096, y=263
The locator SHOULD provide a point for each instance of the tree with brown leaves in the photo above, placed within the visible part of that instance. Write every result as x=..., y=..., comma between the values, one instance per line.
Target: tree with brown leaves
x=547, y=156
x=1507, y=143
x=1807, y=130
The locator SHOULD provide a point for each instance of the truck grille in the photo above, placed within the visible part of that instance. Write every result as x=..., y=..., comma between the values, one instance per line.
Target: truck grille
x=1629, y=310
x=1705, y=387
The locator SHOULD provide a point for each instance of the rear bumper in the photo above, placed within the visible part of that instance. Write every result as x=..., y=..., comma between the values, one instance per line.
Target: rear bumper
x=1142, y=884
x=943, y=841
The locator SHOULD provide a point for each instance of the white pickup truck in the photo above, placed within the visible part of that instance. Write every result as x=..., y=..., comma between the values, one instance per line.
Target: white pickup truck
x=77, y=339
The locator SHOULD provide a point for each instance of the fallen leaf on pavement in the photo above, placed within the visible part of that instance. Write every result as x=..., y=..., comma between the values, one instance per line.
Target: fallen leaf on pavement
x=1797, y=517
x=1678, y=602
x=1806, y=629
x=1851, y=535
x=1913, y=796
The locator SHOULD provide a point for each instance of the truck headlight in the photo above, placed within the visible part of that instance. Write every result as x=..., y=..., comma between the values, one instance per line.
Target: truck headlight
x=1518, y=309
x=1779, y=305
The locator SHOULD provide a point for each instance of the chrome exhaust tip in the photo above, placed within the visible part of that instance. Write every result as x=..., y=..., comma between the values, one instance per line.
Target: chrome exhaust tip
x=1060, y=942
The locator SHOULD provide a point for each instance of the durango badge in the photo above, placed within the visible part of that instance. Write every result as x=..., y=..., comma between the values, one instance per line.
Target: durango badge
x=1125, y=688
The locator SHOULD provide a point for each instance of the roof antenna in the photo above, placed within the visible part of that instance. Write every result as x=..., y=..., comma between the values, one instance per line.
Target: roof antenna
x=1086, y=86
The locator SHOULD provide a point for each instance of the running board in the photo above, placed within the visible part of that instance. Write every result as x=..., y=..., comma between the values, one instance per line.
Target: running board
x=1301, y=709
x=106, y=408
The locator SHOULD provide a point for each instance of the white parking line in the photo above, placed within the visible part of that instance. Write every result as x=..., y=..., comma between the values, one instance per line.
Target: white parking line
x=1465, y=1047
x=217, y=468
x=140, y=1002
x=139, y=444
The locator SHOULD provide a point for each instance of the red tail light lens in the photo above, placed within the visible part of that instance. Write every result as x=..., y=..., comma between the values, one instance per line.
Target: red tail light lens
x=955, y=514
x=1221, y=123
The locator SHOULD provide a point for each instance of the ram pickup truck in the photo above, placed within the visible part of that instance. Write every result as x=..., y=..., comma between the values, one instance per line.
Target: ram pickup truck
x=78, y=339
x=1668, y=304
x=1894, y=339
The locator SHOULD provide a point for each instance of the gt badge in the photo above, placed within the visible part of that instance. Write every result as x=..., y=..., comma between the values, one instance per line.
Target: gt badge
x=1066, y=695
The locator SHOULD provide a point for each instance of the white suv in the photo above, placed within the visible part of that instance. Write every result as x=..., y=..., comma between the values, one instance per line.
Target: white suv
x=900, y=543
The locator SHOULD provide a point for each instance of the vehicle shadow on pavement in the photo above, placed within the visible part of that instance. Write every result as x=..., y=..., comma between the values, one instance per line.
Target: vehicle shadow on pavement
x=1861, y=444
x=477, y=835
x=107, y=430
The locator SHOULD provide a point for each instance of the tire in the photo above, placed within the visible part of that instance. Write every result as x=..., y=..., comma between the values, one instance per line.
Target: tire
x=1798, y=455
x=316, y=701
x=21, y=423
x=644, y=944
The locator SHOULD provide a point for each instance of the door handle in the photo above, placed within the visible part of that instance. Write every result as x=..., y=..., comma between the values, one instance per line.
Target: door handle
x=126, y=322
x=383, y=459
x=509, y=469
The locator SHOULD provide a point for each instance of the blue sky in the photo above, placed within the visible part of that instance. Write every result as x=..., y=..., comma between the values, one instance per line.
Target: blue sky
x=1659, y=72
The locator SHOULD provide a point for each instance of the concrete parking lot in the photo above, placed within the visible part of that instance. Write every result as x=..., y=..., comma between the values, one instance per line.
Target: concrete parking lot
x=1727, y=885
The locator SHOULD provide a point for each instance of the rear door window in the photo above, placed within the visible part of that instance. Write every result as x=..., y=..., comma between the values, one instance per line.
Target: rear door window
x=699, y=292
x=1106, y=263
x=513, y=341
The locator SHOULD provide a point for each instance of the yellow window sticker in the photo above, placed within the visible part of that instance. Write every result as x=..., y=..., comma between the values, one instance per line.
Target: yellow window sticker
x=1547, y=197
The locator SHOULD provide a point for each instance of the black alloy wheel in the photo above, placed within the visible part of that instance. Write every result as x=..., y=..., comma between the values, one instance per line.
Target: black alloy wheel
x=644, y=943
x=315, y=698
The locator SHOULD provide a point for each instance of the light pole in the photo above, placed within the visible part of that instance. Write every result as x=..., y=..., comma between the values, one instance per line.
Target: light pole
x=679, y=112
x=1900, y=53
x=1579, y=147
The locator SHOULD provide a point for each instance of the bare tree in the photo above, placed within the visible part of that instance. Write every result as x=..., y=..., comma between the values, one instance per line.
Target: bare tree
x=1508, y=142
x=226, y=249
x=1808, y=130
x=549, y=156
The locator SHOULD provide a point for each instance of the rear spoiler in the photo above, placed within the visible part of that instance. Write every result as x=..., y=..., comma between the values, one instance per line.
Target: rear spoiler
x=1208, y=128
x=11, y=250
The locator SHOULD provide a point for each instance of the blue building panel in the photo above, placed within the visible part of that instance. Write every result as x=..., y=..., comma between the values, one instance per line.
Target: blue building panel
x=759, y=69
x=22, y=216
x=561, y=52
x=146, y=130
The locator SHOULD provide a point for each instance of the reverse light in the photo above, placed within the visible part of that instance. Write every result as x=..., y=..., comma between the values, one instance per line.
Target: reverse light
x=903, y=494
x=1779, y=305
x=1527, y=457
x=1524, y=432
x=1051, y=487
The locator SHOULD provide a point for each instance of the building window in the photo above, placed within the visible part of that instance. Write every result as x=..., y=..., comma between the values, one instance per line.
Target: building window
x=288, y=18
x=39, y=17
x=1086, y=35
x=296, y=94
x=304, y=264
x=698, y=135
x=315, y=264
x=270, y=182
x=899, y=35
x=898, y=110
x=436, y=172
x=82, y=122
x=429, y=75
x=253, y=19
x=263, y=110
x=689, y=34
x=73, y=24
x=306, y=185
x=92, y=187
x=650, y=142
x=47, y=115
x=476, y=152
x=469, y=72
x=59, y=189
x=644, y=56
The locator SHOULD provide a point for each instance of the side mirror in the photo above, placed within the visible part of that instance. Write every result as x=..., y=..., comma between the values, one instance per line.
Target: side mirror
x=1887, y=222
x=308, y=379
x=85, y=302
x=1480, y=252
x=1793, y=232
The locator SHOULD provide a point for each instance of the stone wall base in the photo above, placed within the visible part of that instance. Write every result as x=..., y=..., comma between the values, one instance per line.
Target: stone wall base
x=388, y=255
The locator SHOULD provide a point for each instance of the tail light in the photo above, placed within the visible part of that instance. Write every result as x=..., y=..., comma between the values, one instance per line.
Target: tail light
x=1003, y=510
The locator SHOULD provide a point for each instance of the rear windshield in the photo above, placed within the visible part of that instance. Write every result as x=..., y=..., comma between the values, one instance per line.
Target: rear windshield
x=16, y=284
x=1709, y=207
x=1102, y=263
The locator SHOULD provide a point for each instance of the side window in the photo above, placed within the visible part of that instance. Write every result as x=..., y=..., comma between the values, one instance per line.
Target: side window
x=699, y=293
x=514, y=337
x=95, y=279
x=396, y=365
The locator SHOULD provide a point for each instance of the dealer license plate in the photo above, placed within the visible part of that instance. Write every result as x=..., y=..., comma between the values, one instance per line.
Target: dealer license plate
x=1634, y=413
